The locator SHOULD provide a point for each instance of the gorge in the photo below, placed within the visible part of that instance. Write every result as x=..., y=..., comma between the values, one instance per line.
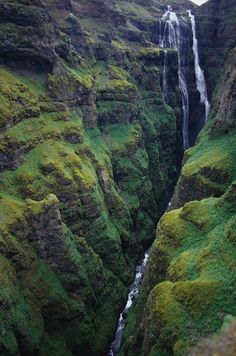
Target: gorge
x=108, y=108
x=170, y=37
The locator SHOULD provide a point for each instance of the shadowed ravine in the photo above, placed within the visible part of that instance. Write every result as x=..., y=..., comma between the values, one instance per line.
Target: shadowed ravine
x=170, y=36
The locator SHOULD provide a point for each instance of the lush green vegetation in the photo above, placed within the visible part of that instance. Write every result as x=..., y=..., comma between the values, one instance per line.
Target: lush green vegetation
x=195, y=250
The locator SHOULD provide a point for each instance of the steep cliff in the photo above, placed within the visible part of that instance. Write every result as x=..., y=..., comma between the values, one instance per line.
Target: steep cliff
x=217, y=20
x=89, y=153
x=188, y=289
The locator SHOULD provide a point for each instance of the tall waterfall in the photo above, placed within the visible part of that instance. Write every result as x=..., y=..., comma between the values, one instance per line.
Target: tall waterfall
x=164, y=81
x=171, y=38
x=200, y=79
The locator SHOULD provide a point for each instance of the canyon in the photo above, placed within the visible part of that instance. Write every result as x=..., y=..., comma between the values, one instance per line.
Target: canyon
x=116, y=117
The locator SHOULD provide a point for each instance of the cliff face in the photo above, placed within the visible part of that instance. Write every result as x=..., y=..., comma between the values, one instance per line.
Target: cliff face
x=217, y=20
x=89, y=152
x=188, y=288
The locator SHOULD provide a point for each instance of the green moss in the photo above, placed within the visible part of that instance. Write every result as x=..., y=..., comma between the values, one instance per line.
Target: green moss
x=86, y=79
x=17, y=100
x=68, y=83
x=202, y=155
x=41, y=128
x=121, y=46
x=118, y=85
x=146, y=51
x=118, y=72
x=122, y=137
x=210, y=163
x=11, y=211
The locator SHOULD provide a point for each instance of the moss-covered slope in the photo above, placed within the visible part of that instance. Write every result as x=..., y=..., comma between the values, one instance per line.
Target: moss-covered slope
x=191, y=276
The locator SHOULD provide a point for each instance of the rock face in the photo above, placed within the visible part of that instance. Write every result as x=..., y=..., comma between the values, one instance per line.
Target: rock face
x=89, y=153
x=202, y=177
x=216, y=19
x=223, y=343
x=186, y=292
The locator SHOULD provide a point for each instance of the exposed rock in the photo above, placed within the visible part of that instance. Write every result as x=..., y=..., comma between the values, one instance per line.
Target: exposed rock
x=222, y=343
x=215, y=18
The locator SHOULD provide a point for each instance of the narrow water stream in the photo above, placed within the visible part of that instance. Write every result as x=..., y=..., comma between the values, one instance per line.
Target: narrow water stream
x=133, y=293
x=200, y=78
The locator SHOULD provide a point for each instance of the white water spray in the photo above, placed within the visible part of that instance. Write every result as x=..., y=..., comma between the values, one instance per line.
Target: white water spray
x=200, y=79
x=164, y=81
x=172, y=39
x=133, y=293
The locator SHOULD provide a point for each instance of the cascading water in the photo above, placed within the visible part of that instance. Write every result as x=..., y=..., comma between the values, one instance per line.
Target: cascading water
x=134, y=290
x=171, y=38
x=164, y=83
x=133, y=293
x=159, y=30
x=200, y=79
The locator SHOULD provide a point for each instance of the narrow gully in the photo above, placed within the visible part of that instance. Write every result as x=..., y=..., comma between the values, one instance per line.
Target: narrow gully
x=134, y=290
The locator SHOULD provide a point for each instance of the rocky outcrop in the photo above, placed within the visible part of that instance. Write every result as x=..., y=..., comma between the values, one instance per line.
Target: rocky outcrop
x=225, y=99
x=223, y=343
x=63, y=280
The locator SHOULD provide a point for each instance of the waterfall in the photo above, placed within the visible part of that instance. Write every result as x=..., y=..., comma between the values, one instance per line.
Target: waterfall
x=172, y=38
x=133, y=294
x=200, y=79
x=164, y=81
x=160, y=23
